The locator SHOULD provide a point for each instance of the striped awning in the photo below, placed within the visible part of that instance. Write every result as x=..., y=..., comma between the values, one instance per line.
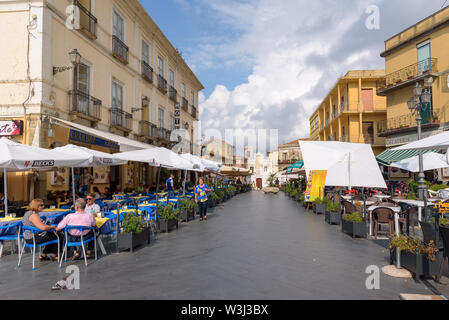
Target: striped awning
x=389, y=156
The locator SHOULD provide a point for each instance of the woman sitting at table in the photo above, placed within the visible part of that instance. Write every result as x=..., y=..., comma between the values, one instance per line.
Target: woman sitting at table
x=32, y=219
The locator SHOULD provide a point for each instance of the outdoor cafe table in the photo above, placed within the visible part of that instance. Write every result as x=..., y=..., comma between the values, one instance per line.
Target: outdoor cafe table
x=415, y=203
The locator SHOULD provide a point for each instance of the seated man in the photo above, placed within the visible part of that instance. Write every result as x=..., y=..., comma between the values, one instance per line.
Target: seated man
x=2, y=201
x=91, y=206
x=81, y=219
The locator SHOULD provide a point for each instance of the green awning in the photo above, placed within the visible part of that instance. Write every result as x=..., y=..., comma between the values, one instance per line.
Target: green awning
x=389, y=156
x=297, y=165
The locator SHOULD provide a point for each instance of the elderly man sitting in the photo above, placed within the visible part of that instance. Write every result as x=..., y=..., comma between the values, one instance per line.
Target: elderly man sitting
x=80, y=219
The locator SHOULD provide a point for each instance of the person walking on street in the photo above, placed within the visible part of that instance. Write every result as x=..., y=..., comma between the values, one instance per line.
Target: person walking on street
x=170, y=186
x=201, y=198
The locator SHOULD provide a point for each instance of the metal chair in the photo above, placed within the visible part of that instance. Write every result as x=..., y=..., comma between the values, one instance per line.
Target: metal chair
x=81, y=243
x=33, y=246
x=11, y=232
x=382, y=216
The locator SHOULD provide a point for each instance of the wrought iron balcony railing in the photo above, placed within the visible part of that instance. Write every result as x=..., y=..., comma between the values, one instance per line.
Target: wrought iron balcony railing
x=84, y=104
x=121, y=119
x=88, y=22
x=173, y=94
x=162, y=84
x=407, y=74
x=148, y=129
x=147, y=72
x=185, y=104
x=409, y=121
x=120, y=50
x=194, y=112
x=163, y=134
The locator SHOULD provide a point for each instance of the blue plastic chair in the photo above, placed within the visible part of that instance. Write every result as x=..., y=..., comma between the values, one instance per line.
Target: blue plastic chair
x=33, y=246
x=65, y=207
x=10, y=232
x=81, y=243
x=148, y=213
x=55, y=219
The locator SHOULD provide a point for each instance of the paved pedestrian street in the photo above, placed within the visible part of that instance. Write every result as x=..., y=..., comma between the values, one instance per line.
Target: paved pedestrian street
x=254, y=246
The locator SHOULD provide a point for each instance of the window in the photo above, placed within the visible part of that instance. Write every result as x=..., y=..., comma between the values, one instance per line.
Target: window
x=117, y=96
x=160, y=64
x=172, y=123
x=172, y=78
x=83, y=78
x=424, y=56
x=118, y=27
x=184, y=90
x=161, y=118
x=145, y=52
x=368, y=99
x=192, y=98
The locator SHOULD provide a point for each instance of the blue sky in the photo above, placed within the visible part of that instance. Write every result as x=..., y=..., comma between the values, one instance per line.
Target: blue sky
x=188, y=28
x=267, y=64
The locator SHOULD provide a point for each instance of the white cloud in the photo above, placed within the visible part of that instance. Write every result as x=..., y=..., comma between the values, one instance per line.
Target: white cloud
x=297, y=49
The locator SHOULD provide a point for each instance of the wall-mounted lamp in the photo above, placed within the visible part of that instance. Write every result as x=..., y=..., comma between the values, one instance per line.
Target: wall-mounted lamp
x=75, y=59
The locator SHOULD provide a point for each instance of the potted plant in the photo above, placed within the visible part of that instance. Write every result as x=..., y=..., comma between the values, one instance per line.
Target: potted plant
x=297, y=195
x=333, y=213
x=354, y=225
x=134, y=233
x=303, y=199
x=213, y=199
x=319, y=206
x=416, y=256
x=168, y=218
x=185, y=210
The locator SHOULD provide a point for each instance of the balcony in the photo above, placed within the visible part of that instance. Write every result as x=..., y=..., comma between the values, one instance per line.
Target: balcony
x=147, y=72
x=88, y=22
x=119, y=50
x=162, y=84
x=185, y=104
x=147, y=129
x=163, y=134
x=291, y=161
x=407, y=123
x=84, y=106
x=173, y=94
x=121, y=120
x=194, y=112
x=408, y=75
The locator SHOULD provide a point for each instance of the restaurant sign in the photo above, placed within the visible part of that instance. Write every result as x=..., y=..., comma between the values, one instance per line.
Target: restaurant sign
x=11, y=128
x=81, y=137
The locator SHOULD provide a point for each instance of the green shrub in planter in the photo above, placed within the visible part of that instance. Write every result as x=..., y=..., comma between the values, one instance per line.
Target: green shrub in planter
x=319, y=206
x=184, y=209
x=354, y=225
x=134, y=233
x=168, y=217
x=333, y=213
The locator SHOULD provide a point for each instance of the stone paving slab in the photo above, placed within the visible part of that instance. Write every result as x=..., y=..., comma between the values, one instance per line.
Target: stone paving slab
x=256, y=246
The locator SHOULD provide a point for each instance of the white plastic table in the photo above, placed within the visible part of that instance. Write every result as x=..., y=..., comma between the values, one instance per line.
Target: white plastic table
x=415, y=203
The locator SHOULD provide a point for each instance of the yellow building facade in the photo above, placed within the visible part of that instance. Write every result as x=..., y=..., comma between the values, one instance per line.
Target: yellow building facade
x=418, y=54
x=352, y=111
x=121, y=91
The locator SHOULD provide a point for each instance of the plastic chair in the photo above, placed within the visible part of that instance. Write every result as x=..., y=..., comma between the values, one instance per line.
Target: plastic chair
x=11, y=232
x=35, y=231
x=81, y=243
x=56, y=219
x=383, y=216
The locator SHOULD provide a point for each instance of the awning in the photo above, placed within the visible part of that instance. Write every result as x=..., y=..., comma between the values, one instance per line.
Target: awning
x=125, y=143
x=297, y=165
x=389, y=156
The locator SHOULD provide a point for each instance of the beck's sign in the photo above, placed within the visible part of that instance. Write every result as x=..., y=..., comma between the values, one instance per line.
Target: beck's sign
x=11, y=128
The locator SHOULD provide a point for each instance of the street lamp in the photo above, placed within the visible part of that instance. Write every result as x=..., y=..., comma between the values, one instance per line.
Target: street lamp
x=417, y=104
x=75, y=59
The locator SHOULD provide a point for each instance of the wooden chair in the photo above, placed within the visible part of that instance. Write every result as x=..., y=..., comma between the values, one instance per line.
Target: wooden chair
x=383, y=216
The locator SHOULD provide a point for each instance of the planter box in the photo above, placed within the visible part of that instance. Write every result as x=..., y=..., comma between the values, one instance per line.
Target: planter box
x=419, y=264
x=131, y=240
x=319, y=208
x=332, y=217
x=183, y=216
x=191, y=215
x=167, y=225
x=298, y=197
x=353, y=229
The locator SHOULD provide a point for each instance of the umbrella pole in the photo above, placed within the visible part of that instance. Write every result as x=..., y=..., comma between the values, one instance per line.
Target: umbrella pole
x=364, y=202
x=157, y=193
x=184, y=183
x=73, y=185
x=5, y=179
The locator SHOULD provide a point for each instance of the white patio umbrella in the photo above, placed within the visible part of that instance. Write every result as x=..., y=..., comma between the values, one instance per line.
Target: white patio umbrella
x=431, y=161
x=95, y=159
x=438, y=141
x=347, y=164
x=20, y=157
x=212, y=165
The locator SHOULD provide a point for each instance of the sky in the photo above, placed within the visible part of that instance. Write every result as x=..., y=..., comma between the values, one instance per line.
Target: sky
x=267, y=64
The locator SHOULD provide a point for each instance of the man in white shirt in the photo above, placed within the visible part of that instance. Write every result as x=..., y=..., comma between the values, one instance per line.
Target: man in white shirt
x=91, y=206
